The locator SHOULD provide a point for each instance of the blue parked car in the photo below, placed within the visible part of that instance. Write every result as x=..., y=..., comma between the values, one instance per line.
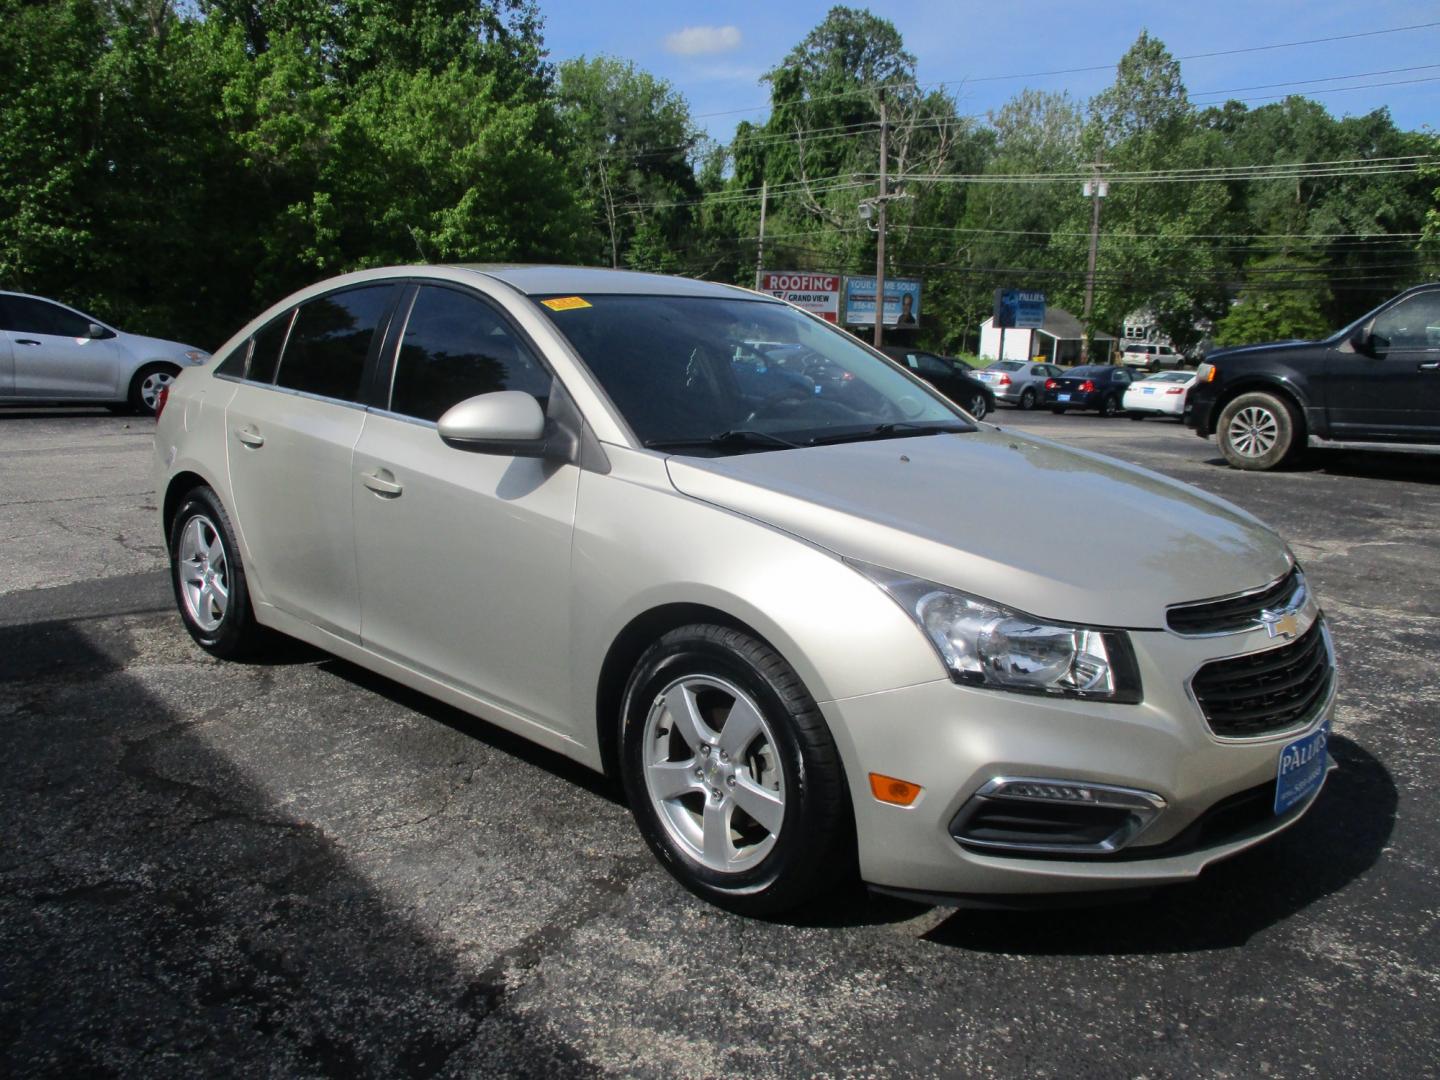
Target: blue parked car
x=1099, y=387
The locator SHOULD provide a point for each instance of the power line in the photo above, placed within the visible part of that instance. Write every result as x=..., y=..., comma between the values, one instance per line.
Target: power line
x=1096, y=67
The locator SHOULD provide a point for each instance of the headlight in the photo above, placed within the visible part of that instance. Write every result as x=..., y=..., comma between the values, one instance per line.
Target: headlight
x=1205, y=373
x=984, y=644
x=195, y=356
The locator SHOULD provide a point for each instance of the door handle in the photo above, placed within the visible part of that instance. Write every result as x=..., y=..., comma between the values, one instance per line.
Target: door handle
x=250, y=437
x=382, y=482
x=26, y=341
x=1433, y=365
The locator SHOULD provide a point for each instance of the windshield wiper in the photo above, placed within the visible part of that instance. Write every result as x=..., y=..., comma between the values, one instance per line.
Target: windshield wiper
x=901, y=429
x=737, y=437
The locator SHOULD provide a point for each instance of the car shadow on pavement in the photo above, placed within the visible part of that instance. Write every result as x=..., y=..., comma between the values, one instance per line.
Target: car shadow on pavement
x=1333, y=845
x=473, y=727
x=1422, y=468
x=159, y=912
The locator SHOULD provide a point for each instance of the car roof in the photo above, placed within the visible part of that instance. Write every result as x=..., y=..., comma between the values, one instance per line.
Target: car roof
x=548, y=280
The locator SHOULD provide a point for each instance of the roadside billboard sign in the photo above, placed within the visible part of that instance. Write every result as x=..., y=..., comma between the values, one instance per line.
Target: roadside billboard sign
x=818, y=293
x=902, y=301
x=1019, y=309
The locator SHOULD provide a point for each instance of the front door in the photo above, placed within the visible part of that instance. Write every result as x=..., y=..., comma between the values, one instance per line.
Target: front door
x=54, y=355
x=464, y=558
x=1391, y=391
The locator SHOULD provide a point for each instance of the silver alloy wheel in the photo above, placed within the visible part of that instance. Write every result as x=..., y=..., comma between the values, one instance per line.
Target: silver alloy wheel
x=204, y=573
x=151, y=386
x=1253, y=431
x=978, y=407
x=713, y=773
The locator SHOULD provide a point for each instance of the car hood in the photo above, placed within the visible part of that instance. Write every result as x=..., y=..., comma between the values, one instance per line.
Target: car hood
x=151, y=346
x=1269, y=348
x=1046, y=529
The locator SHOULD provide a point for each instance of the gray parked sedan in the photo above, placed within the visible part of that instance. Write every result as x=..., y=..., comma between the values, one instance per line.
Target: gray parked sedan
x=1018, y=382
x=53, y=353
x=792, y=618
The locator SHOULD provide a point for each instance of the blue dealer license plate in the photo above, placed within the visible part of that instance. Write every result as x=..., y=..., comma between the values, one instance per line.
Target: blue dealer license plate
x=1301, y=770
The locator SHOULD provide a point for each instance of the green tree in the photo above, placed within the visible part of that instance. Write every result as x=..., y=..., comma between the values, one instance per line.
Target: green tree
x=630, y=139
x=1272, y=308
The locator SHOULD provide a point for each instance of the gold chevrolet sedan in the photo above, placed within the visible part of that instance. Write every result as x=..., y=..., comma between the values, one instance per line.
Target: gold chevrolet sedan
x=781, y=588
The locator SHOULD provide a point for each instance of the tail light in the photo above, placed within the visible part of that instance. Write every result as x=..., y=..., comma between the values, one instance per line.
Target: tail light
x=1050, y=384
x=160, y=400
x=1175, y=390
x=1087, y=387
x=1004, y=380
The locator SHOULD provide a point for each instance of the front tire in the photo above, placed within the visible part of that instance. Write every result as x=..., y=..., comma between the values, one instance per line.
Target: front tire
x=1258, y=431
x=731, y=773
x=145, y=387
x=1109, y=405
x=209, y=579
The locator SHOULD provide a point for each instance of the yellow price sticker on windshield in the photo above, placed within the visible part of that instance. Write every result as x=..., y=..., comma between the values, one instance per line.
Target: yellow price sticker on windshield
x=566, y=303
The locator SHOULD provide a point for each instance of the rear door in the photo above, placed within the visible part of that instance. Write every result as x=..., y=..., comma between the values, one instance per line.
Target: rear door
x=464, y=558
x=291, y=430
x=54, y=356
x=1393, y=392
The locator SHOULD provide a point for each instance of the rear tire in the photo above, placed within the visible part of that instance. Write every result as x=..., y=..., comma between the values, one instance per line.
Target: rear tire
x=1058, y=410
x=1027, y=398
x=1259, y=431
x=979, y=407
x=145, y=387
x=209, y=580
x=1136, y=415
x=731, y=773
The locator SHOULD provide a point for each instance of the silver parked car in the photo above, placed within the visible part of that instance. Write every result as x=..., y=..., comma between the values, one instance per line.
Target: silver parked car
x=53, y=353
x=789, y=615
x=1018, y=382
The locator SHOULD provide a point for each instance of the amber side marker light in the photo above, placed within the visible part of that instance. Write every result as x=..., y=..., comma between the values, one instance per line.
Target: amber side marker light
x=887, y=789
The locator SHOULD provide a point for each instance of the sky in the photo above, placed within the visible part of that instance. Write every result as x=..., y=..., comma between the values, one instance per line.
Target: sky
x=715, y=53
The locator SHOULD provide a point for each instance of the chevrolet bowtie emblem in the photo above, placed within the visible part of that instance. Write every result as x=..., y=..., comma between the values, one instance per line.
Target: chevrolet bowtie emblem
x=1282, y=624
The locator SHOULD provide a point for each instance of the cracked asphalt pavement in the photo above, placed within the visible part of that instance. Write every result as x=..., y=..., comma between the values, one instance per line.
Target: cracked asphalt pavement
x=298, y=868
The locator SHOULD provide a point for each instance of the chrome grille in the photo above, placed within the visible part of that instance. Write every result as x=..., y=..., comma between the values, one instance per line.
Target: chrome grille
x=1262, y=693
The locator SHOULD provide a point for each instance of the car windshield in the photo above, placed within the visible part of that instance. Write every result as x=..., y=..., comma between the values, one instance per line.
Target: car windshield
x=722, y=376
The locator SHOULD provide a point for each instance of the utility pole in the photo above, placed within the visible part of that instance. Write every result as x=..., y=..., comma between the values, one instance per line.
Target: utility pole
x=880, y=240
x=1095, y=189
x=760, y=247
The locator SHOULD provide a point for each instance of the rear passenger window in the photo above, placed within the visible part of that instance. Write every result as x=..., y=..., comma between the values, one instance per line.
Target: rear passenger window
x=456, y=346
x=256, y=357
x=329, y=342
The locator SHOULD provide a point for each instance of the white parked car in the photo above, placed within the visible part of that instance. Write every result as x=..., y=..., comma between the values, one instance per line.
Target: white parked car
x=1149, y=355
x=794, y=622
x=1158, y=395
x=53, y=353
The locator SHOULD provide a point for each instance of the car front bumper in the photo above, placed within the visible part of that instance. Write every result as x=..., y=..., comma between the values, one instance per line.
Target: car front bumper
x=954, y=740
x=1198, y=409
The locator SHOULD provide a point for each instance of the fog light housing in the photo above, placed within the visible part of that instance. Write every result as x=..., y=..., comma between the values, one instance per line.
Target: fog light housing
x=1027, y=815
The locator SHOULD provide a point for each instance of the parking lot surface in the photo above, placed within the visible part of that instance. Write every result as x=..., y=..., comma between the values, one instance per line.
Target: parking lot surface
x=295, y=867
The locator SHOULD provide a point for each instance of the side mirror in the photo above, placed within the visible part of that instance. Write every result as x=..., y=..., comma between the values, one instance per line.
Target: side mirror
x=504, y=422
x=96, y=331
x=1360, y=341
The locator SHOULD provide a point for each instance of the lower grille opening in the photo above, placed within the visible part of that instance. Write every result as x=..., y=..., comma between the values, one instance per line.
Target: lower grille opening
x=1010, y=823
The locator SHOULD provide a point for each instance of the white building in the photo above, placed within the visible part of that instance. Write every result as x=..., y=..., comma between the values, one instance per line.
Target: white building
x=1058, y=341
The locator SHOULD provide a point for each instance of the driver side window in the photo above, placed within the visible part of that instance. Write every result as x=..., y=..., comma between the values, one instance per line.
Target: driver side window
x=1410, y=324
